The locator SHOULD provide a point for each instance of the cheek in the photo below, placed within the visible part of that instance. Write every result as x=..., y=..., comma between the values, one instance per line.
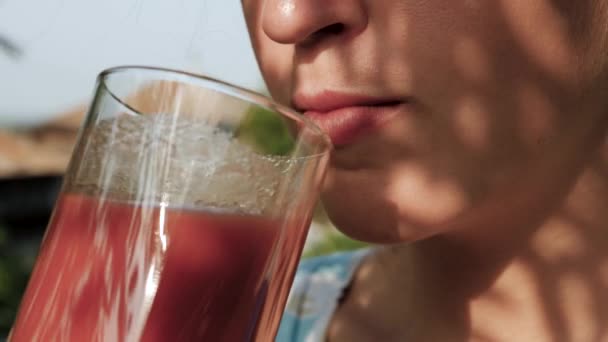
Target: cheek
x=355, y=205
x=274, y=60
x=275, y=63
x=403, y=205
x=423, y=197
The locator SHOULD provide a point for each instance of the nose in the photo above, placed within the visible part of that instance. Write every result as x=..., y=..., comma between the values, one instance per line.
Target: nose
x=300, y=21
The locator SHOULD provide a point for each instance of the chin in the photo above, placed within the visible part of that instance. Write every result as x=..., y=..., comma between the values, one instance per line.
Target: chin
x=368, y=207
x=377, y=227
x=366, y=216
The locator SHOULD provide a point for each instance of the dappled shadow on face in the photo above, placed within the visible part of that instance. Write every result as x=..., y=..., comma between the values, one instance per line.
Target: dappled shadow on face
x=504, y=121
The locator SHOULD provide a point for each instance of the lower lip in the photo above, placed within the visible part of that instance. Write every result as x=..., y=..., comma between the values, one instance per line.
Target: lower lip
x=346, y=125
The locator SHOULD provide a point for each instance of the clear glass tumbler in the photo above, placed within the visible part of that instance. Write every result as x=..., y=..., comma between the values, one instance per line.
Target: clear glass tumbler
x=182, y=215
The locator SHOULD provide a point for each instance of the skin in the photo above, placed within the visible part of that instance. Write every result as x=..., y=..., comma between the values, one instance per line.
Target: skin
x=488, y=191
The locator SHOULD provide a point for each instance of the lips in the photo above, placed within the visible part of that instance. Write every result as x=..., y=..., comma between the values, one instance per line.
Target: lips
x=348, y=117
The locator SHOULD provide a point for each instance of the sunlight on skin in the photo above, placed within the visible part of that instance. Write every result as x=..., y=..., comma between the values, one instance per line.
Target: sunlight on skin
x=473, y=4
x=574, y=295
x=423, y=198
x=489, y=158
x=287, y=6
x=471, y=123
x=563, y=242
x=521, y=308
x=547, y=44
x=471, y=58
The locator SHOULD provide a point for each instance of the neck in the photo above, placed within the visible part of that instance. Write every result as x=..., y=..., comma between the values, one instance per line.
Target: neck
x=537, y=272
x=542, y=275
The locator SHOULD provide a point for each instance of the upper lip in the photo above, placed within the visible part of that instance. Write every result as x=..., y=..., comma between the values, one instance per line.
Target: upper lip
x=328, y=101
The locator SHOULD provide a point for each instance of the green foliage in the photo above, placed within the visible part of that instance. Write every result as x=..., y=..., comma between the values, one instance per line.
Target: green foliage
x=267, y=131
x=14, y=272
x=332, y=243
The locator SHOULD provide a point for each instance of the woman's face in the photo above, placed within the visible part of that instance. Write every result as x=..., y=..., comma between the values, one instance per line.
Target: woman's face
x=441, y=111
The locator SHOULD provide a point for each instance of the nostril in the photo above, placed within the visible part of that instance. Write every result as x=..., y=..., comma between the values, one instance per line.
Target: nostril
x=330, y=30
x=333, y=29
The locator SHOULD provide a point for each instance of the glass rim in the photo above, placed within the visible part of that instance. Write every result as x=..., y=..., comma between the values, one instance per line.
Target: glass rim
x=223, y=87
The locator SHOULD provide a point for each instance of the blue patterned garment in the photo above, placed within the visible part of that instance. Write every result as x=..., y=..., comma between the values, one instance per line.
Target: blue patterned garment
x=314, y=296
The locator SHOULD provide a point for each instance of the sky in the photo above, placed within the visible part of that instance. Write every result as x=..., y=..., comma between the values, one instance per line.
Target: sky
x=66, y=43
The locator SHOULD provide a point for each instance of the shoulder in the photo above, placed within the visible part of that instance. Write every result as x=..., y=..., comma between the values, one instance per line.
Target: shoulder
x=315, y=293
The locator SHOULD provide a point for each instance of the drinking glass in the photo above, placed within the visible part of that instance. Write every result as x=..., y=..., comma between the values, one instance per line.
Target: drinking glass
x=181, y=218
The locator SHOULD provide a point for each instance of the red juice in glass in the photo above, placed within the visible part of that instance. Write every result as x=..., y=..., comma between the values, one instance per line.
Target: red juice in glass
x=137, y=249
x=282, y=272
x=111, y=271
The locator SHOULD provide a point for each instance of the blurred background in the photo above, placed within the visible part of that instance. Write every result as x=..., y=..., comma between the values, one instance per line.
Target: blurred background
x=50, y=54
